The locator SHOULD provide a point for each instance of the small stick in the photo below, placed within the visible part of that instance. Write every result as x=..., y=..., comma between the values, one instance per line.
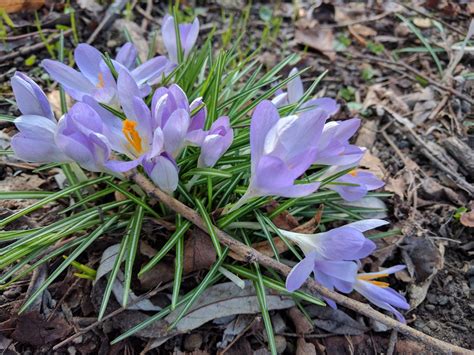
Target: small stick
x=392, y=342
x=251, y=255
x=33, y=48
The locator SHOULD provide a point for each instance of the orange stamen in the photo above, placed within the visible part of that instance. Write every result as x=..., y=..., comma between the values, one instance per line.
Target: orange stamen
x=370, y=278
x=100, y=84
x=353, y=173
x=132, y=136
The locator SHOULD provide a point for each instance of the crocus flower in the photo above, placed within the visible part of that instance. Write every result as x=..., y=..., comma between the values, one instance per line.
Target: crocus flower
x=188, y=33
x=334, y=147
x=282, y=149
x=82, y=136
x=363, y=181
x=330, y=255
x=95, y=78
x=216, y=142
x=295, y=92
x=36, y=140
x=379, y=293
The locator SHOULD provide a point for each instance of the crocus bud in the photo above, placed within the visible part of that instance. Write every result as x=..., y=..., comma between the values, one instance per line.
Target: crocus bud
x=188, y=33
x=216, y=143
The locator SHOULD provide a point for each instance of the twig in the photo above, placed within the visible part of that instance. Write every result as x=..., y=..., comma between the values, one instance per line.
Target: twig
x=392, y=342
x=359, y=21
x=35, y=47
x=251, y=255
x=112, y=12
x=149, y=7
x=416, y=72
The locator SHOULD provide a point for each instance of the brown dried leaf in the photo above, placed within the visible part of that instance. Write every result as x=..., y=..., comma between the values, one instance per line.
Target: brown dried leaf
x=55, y=100
x=374, y=164
x=199, y=252
x=11, y=6
x=21, y=182
x=422, y=22
x=321, y=39
x=397, y=185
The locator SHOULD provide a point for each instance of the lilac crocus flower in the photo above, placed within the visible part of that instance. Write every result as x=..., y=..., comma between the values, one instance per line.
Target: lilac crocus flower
x=330, y=255
x=82, y=136
x=188, y=33
x=295, y=92
x=334, y=147
x=95, y=78
x=282, y=149
x=379, y=293
x=37, y=126
x=363, y=181
x=216, y=142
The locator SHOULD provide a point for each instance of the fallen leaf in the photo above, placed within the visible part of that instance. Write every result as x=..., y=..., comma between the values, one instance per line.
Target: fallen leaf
x=199, y=252
x=374, y=164
x=34, y=329
x=397, y=186
x=335, y=321
x=23, y=182
x=90, y=5
x=54, y=99
x=235, y=328
x=467, y=219
x=321, y=39
x=11, y=6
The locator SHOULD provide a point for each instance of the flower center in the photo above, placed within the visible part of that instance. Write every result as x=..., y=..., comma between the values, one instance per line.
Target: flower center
x=132, y=136
x=100, y=83
x=353, y=173
x=370, y=278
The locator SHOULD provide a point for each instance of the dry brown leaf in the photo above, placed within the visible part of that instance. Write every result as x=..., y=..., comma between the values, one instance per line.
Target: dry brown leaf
x=374, y=164
x=467, y=219
x=321, y=39
x=199, y=252
x=21, y=182
x=397, y=185
x=11, y=6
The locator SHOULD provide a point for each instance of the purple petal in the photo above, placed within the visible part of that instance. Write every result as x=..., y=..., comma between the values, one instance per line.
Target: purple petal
x=88, y=61
x=199, y=119
x=74, y=83
x=263, y=119
x=175, y=131
x=342, y=270
x=295, y=87
x=30, y=99
x=168, y=34
x=280, y=100
x=341, y=243
x=189, y=36
x=324, y=103
x=367, y=224
x=122, y=166
x=151, y=70
x=300, y=273
x=158, y=143
x=165, y=174
x=127, y=56
x=299, y=190
x=36, y=149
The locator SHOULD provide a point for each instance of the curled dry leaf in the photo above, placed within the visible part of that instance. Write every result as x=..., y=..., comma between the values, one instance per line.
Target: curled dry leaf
x=321, y=39
x=199, y=252
x=335, y=321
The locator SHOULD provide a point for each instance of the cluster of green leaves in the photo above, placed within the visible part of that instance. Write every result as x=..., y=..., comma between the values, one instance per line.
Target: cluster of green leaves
x=229, y=86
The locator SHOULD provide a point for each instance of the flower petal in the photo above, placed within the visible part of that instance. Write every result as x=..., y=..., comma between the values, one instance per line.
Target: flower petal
x=88, y=61
x=127, y=55
x=300, y=273
x=295, y=87
x=175, y=131
x=165, y=174
x=30, y=99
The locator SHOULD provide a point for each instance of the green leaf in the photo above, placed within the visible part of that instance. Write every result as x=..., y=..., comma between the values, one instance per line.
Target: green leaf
x=24, y=195
x=178, y=267
x=209, y=226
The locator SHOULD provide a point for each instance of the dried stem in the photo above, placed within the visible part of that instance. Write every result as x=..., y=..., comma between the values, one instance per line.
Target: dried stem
x=251, y=255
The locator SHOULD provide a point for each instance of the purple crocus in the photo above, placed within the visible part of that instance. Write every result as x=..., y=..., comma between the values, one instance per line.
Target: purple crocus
x=95, y=78
x=82, y=136
x=330, y=255
x=334, y=147
x=37, y=126
x=282, y=149
x=188, y=33
x=216, y=142
x=295, y=92
x=361, y=182
x=379, y=293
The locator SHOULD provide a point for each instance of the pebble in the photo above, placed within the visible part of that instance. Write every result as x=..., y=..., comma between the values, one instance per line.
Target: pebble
x=430, y=307
x=192, y=342
x=432, y=325
x=443, y=300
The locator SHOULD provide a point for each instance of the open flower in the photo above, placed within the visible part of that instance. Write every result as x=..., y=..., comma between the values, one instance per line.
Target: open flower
x=282, y=149
x=37, y=126
x=188, y=33
x=361, y=182
x=216, y=142
x=379, y=292
x=95, y=78
x=330, y=255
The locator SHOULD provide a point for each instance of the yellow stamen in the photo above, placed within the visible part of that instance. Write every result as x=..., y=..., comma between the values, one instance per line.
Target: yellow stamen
x=132, y=136
x=353, y=173
x=100, y=84
x=370, y=278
